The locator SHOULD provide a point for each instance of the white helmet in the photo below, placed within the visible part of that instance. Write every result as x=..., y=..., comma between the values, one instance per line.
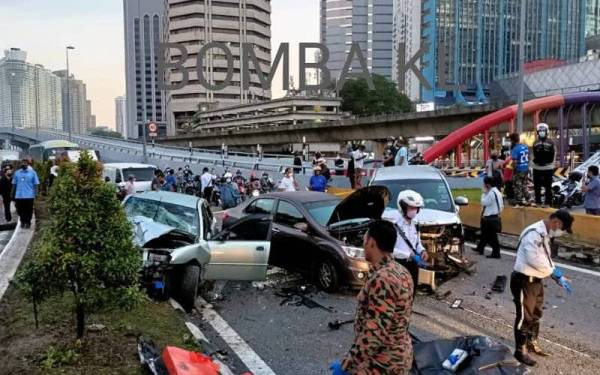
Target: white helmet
x=228, y=175
x=409, y=198
x=542, y=127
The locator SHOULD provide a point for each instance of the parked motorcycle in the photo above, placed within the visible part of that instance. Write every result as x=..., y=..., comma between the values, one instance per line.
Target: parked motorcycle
x=567, y=192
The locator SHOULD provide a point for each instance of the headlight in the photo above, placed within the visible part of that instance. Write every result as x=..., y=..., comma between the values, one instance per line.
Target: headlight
x=354, y=252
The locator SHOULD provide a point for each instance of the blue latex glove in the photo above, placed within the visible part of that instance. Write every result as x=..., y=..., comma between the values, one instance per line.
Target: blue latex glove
x=564, y=283
x=557, y=273
x=420, y=262
x=336, y=369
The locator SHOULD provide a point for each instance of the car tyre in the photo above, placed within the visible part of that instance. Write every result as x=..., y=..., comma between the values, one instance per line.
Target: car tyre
x=189, y=286
x=326, y=275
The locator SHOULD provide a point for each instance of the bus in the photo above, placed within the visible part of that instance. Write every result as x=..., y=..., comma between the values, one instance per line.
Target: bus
x=49, y=150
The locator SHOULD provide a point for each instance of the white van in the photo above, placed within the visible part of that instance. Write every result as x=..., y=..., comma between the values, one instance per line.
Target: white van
x=118, y=173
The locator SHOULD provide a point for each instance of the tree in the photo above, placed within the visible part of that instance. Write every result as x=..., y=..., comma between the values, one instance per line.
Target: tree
x=101, y=132
x=85, y=248
x=359, y=100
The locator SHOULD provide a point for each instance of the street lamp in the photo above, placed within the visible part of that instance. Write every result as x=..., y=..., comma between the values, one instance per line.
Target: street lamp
x=521, y=67
x=68, y=93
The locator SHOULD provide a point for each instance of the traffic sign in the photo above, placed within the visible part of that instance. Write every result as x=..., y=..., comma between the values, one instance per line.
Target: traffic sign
x=153, y=129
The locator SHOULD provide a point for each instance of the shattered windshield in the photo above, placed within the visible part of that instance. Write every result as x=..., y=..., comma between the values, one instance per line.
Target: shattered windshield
x=435, y=192
x=178, y=217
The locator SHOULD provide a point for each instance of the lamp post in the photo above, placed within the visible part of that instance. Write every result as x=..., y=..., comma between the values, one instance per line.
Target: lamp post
x=521, y=66
x=68, y=107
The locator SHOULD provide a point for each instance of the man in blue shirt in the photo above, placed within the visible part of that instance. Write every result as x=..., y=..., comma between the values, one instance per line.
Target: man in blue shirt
x=25, y=183
x=520, y=160
x=318, y=182
x=592, y=192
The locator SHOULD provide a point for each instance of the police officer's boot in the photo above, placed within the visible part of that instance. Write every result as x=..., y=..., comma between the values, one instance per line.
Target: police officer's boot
x=522, y=356
x=533, y=346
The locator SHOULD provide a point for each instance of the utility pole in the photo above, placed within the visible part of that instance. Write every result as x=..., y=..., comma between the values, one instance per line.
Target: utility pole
x=69, y=94
x=521, y=66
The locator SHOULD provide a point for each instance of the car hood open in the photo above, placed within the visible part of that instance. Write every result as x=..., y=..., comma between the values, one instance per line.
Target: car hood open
x=146, y=230
x=365, y=203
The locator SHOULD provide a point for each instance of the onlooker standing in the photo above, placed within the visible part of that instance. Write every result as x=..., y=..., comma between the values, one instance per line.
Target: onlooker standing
x=206, y=183
x=25, y=185
x=156, y=185
x=382, y=344
x=402, y=154
x=179, y=176
x=507, y=173
x=389, y=154
x=359, y=157
x=288, y=182
x=491, y=224
x=172, y=180
x=318, y=182
x=520, y=163
x=339, y=165
x=352, y=171
x=130, y=185
x=297, y=163
x=5, y=191
x=592, y=192
x=493, y=169
x=543, y=165
x=53, y=174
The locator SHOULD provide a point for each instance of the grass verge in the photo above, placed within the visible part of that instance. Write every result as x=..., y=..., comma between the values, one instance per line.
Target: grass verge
x=474, y=195
x=53, y=349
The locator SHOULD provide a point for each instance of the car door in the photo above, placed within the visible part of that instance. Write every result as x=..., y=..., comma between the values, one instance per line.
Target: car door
x=290, y=245
x=241, y=252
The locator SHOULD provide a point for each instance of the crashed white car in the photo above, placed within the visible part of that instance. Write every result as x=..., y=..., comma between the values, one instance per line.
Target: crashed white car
x=180, y=248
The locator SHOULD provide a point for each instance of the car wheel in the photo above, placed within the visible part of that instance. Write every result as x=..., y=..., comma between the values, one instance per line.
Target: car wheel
x=189, y=286
x=326, y=275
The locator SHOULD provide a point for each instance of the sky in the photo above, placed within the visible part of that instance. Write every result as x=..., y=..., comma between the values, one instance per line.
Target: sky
x=44, y=28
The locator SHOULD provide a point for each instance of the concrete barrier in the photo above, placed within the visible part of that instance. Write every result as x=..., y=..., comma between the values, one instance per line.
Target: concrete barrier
x=586, y=228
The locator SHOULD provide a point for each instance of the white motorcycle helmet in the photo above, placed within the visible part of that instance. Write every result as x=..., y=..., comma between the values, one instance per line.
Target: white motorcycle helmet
x=409, y=198
x=227, y=175
x=542, y=130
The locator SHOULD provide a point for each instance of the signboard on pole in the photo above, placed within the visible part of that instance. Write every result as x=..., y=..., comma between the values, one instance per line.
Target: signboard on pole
x=153, y=130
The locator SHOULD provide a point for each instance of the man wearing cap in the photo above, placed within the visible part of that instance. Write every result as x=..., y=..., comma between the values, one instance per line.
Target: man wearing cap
x=318, y=182
x=533, y=264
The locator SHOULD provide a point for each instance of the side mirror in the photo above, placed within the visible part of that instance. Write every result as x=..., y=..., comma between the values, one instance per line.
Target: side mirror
x=302, y=227
x=461, y=201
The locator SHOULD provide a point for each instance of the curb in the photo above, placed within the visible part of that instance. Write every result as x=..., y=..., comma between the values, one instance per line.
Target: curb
x=13, y=253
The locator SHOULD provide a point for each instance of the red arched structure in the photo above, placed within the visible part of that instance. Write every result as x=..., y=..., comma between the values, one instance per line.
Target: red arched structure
x=508, y=114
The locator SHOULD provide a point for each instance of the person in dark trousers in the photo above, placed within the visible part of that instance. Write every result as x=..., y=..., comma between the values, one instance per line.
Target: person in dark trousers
x=409, y=250
x=297, y=164
x=532, y=265
x=382, y=343
x=5, y=191
x=351, y=172
x=491, y=224
x=543, y=165
x=592, y=192
x=25, y=184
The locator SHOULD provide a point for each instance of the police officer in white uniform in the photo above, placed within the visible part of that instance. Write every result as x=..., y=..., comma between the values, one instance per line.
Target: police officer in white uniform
x=533, y=264
x=409, y=250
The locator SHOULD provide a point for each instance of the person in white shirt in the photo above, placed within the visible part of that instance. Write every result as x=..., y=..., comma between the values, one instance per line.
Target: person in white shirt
x=206, y=183
x=130, y=185
x=359, y=157
x=491, y=222
x=288, y=182
x=533, y=264
x=409, y=250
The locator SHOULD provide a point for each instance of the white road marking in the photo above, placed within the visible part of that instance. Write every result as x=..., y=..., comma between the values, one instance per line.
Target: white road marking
x=244, y=352
x=562, y=265
x=198, y=335
x=13, y=253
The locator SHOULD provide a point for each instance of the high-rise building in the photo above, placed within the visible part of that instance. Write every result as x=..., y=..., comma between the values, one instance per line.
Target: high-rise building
x=472, y=42
x=370, y=23
x=79, y=117
x=195, y=23
x=30, y=95
x=592, y=19
x=407, y=42
x=121, y=115
x=144, y=21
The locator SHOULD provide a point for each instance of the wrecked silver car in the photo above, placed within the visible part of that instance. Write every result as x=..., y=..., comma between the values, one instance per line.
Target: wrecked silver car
x=180, y=248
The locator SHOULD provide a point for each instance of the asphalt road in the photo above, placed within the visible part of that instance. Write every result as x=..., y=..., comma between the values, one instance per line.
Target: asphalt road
x=296, y=340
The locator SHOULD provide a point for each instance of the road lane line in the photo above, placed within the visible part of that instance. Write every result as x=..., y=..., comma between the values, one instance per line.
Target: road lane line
x=244, y=352
x=562, y=265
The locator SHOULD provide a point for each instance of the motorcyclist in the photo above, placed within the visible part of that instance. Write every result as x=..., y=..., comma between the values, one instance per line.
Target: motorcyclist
x=266, y=183
x=318, y=182
x=230, y=195
x=240, y=181
x=543, y=165
x=187, y=174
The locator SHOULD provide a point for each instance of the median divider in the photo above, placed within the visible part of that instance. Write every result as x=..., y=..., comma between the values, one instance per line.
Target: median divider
x=586, y=228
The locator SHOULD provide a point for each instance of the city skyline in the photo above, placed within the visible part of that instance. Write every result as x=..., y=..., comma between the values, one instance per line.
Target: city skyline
x=96, y=30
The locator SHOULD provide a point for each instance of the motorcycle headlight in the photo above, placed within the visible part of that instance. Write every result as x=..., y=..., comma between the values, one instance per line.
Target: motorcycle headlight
x=354, y=252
